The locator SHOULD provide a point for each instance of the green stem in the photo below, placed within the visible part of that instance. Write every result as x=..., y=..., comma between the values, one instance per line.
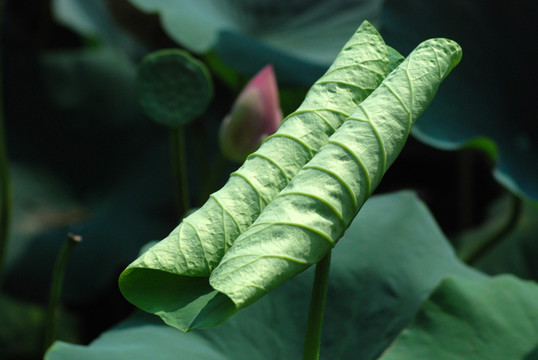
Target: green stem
x=473, y=256
x=5, y=184
x=179, y=166
x=56, y=289
x=317, y=309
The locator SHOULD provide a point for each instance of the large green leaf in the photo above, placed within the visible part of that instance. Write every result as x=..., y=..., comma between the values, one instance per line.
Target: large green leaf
x=306, y=220
x=485, y=319
x=495, y=113
x=299, y=38
x=171, y=279
x=403, y=256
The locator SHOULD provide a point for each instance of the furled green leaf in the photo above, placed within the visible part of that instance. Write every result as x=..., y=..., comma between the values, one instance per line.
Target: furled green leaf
x=171, y=279
x=173, y=87
x=487, y=319
x=395, y=58
x=299, y=38
x=403, y=256
x=306, y=220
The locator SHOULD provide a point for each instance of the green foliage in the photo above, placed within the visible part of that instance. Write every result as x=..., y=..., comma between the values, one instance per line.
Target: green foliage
x=302, y=222
x=94, y=167
x=173, y=87
x=189, y=254
x=485, y=319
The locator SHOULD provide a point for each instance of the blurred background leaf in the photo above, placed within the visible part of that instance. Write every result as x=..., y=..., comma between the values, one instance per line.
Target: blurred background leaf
x=514, y=252
x=95, y=21
x=463, y=319
x=300, y=39
x=488, y=102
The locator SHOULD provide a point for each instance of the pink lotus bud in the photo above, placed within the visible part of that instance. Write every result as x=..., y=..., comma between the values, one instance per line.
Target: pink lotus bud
x=255, y=115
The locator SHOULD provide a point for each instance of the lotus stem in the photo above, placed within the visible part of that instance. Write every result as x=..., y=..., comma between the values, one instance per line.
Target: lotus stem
x=56, y=288
x=317, y=309
x=179, y=166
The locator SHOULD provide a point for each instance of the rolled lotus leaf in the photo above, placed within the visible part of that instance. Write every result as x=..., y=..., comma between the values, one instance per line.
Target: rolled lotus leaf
x=184, y=260
x=308, y=217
